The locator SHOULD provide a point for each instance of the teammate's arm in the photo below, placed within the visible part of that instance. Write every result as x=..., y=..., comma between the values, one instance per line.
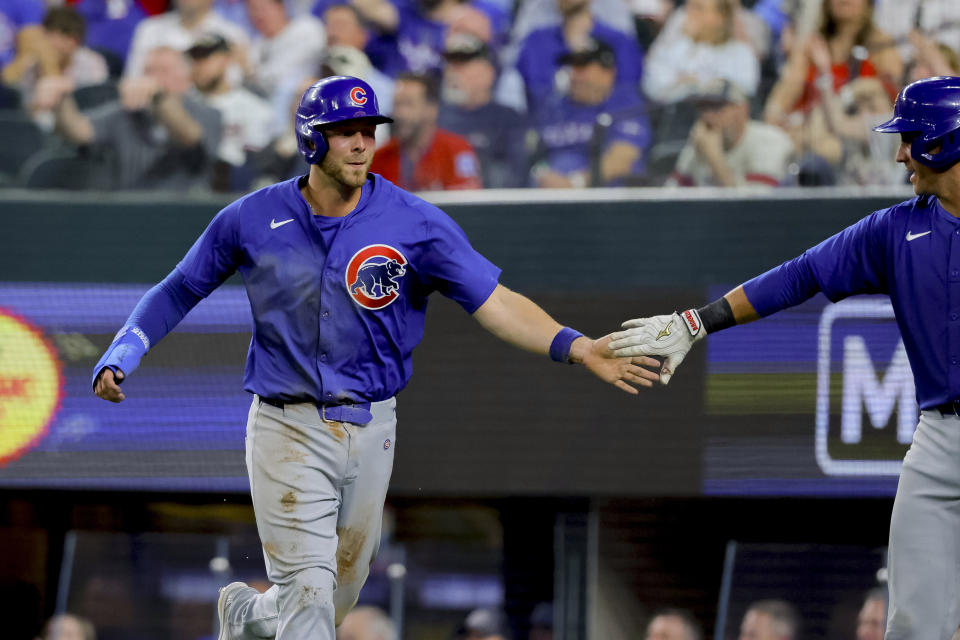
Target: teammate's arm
x=850, y=262
x=521, y=322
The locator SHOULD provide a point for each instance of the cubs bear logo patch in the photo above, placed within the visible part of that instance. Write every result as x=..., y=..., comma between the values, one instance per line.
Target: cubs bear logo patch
x=373, y=276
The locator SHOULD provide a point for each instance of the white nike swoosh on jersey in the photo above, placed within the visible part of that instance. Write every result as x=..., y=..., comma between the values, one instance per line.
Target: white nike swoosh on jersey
x=914, y=236
x=274, y=224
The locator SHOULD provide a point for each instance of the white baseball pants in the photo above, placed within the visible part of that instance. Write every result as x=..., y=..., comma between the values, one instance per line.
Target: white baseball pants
x=924, y=552
x=318, y=491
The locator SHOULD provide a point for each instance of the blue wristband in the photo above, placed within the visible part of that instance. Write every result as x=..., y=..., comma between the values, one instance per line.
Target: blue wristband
x=125, y=352
x=560, y=347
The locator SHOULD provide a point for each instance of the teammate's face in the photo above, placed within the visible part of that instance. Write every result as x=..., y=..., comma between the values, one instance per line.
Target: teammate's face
x=666, y=628
x=924, y=179
x=351, y=151
x=871, y=621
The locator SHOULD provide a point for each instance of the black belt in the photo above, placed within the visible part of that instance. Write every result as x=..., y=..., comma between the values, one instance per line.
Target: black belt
x=354, y=413
x=949, y=408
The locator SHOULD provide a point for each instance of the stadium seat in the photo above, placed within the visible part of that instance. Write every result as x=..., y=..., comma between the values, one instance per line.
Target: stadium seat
x=21, y=139
x=62, y=168
x=9, y=97
x=95, y=95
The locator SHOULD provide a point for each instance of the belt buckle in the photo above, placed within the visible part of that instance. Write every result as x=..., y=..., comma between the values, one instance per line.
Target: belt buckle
x=953, y=405
x=323, y=414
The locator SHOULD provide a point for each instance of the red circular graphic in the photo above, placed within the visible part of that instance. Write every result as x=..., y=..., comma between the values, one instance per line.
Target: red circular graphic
x=358, y=95
x=379, y=285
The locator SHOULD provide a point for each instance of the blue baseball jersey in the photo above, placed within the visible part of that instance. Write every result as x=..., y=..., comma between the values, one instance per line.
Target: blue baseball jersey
x=911, y=252
x=538, y=62
x=338, y=303
x=15, y=15
x=567, y=130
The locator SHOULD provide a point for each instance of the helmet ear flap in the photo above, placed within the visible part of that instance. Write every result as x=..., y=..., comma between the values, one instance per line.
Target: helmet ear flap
x=311, y=142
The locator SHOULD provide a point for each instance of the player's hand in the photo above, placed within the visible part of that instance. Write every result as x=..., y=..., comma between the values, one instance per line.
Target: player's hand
x=669, y=337
x=107, y=385
x=624, y=373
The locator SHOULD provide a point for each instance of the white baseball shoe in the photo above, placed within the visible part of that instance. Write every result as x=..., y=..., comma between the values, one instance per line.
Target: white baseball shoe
x=227, y=595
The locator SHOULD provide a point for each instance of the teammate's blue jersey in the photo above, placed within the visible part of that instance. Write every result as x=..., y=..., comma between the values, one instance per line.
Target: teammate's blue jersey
x=338, y=303
x=911, y=252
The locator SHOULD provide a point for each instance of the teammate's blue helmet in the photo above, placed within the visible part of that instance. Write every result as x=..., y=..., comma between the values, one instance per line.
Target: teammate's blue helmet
x=931, y=109
x=330, y=100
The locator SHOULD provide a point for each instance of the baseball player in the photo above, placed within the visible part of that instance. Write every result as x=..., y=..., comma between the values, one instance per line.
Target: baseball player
x=911, y=252
x=338, y=266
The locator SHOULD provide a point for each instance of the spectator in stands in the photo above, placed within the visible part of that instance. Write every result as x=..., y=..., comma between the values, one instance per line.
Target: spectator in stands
x=705, y=49
x=179, y=30
x=484, y=624
x=728, y=149
x=420, y=156
x=838, y=144
x=748, y=27
x=872, y=619
x=76, y=65
x=595, y=135
x=673, y=624
x=931, y=58
x=532, y=15
x=366, y=623
x=847, y=46
x=348, y=61
x=770, y=620
x=938, y=21
x=110, y=26
x=284, y=49
x=497, y=133
x=346, y=31
x=541, y=52
x=412, y=33
x=246, y=118
x=20, y=31
x=67, y=627
x=158, y=134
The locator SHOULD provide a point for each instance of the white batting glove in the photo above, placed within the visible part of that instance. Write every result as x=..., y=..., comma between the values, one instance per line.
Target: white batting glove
x=669, y=337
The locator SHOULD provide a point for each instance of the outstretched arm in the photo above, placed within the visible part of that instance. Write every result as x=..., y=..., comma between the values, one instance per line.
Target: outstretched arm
x=519, y=321
x=157, y=313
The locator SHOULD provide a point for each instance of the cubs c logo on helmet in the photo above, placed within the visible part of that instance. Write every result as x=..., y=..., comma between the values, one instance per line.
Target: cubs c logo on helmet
x=373, y=276
x=358, y=95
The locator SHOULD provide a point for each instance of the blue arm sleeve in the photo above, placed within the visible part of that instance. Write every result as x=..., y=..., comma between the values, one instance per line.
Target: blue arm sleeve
x=850, y=262
x=157, y=313
x=785, y=286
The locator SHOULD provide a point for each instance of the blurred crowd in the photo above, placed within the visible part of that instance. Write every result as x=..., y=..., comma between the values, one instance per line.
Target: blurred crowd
x=763, y=620
x=198, y=95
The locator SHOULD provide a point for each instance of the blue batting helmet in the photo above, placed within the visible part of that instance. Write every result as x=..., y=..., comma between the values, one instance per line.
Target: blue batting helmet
x=331, y=100
x=931, y=109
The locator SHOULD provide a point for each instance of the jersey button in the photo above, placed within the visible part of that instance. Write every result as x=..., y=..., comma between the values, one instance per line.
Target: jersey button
x=325, y=314
x=323, y=356
x=953, y=316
